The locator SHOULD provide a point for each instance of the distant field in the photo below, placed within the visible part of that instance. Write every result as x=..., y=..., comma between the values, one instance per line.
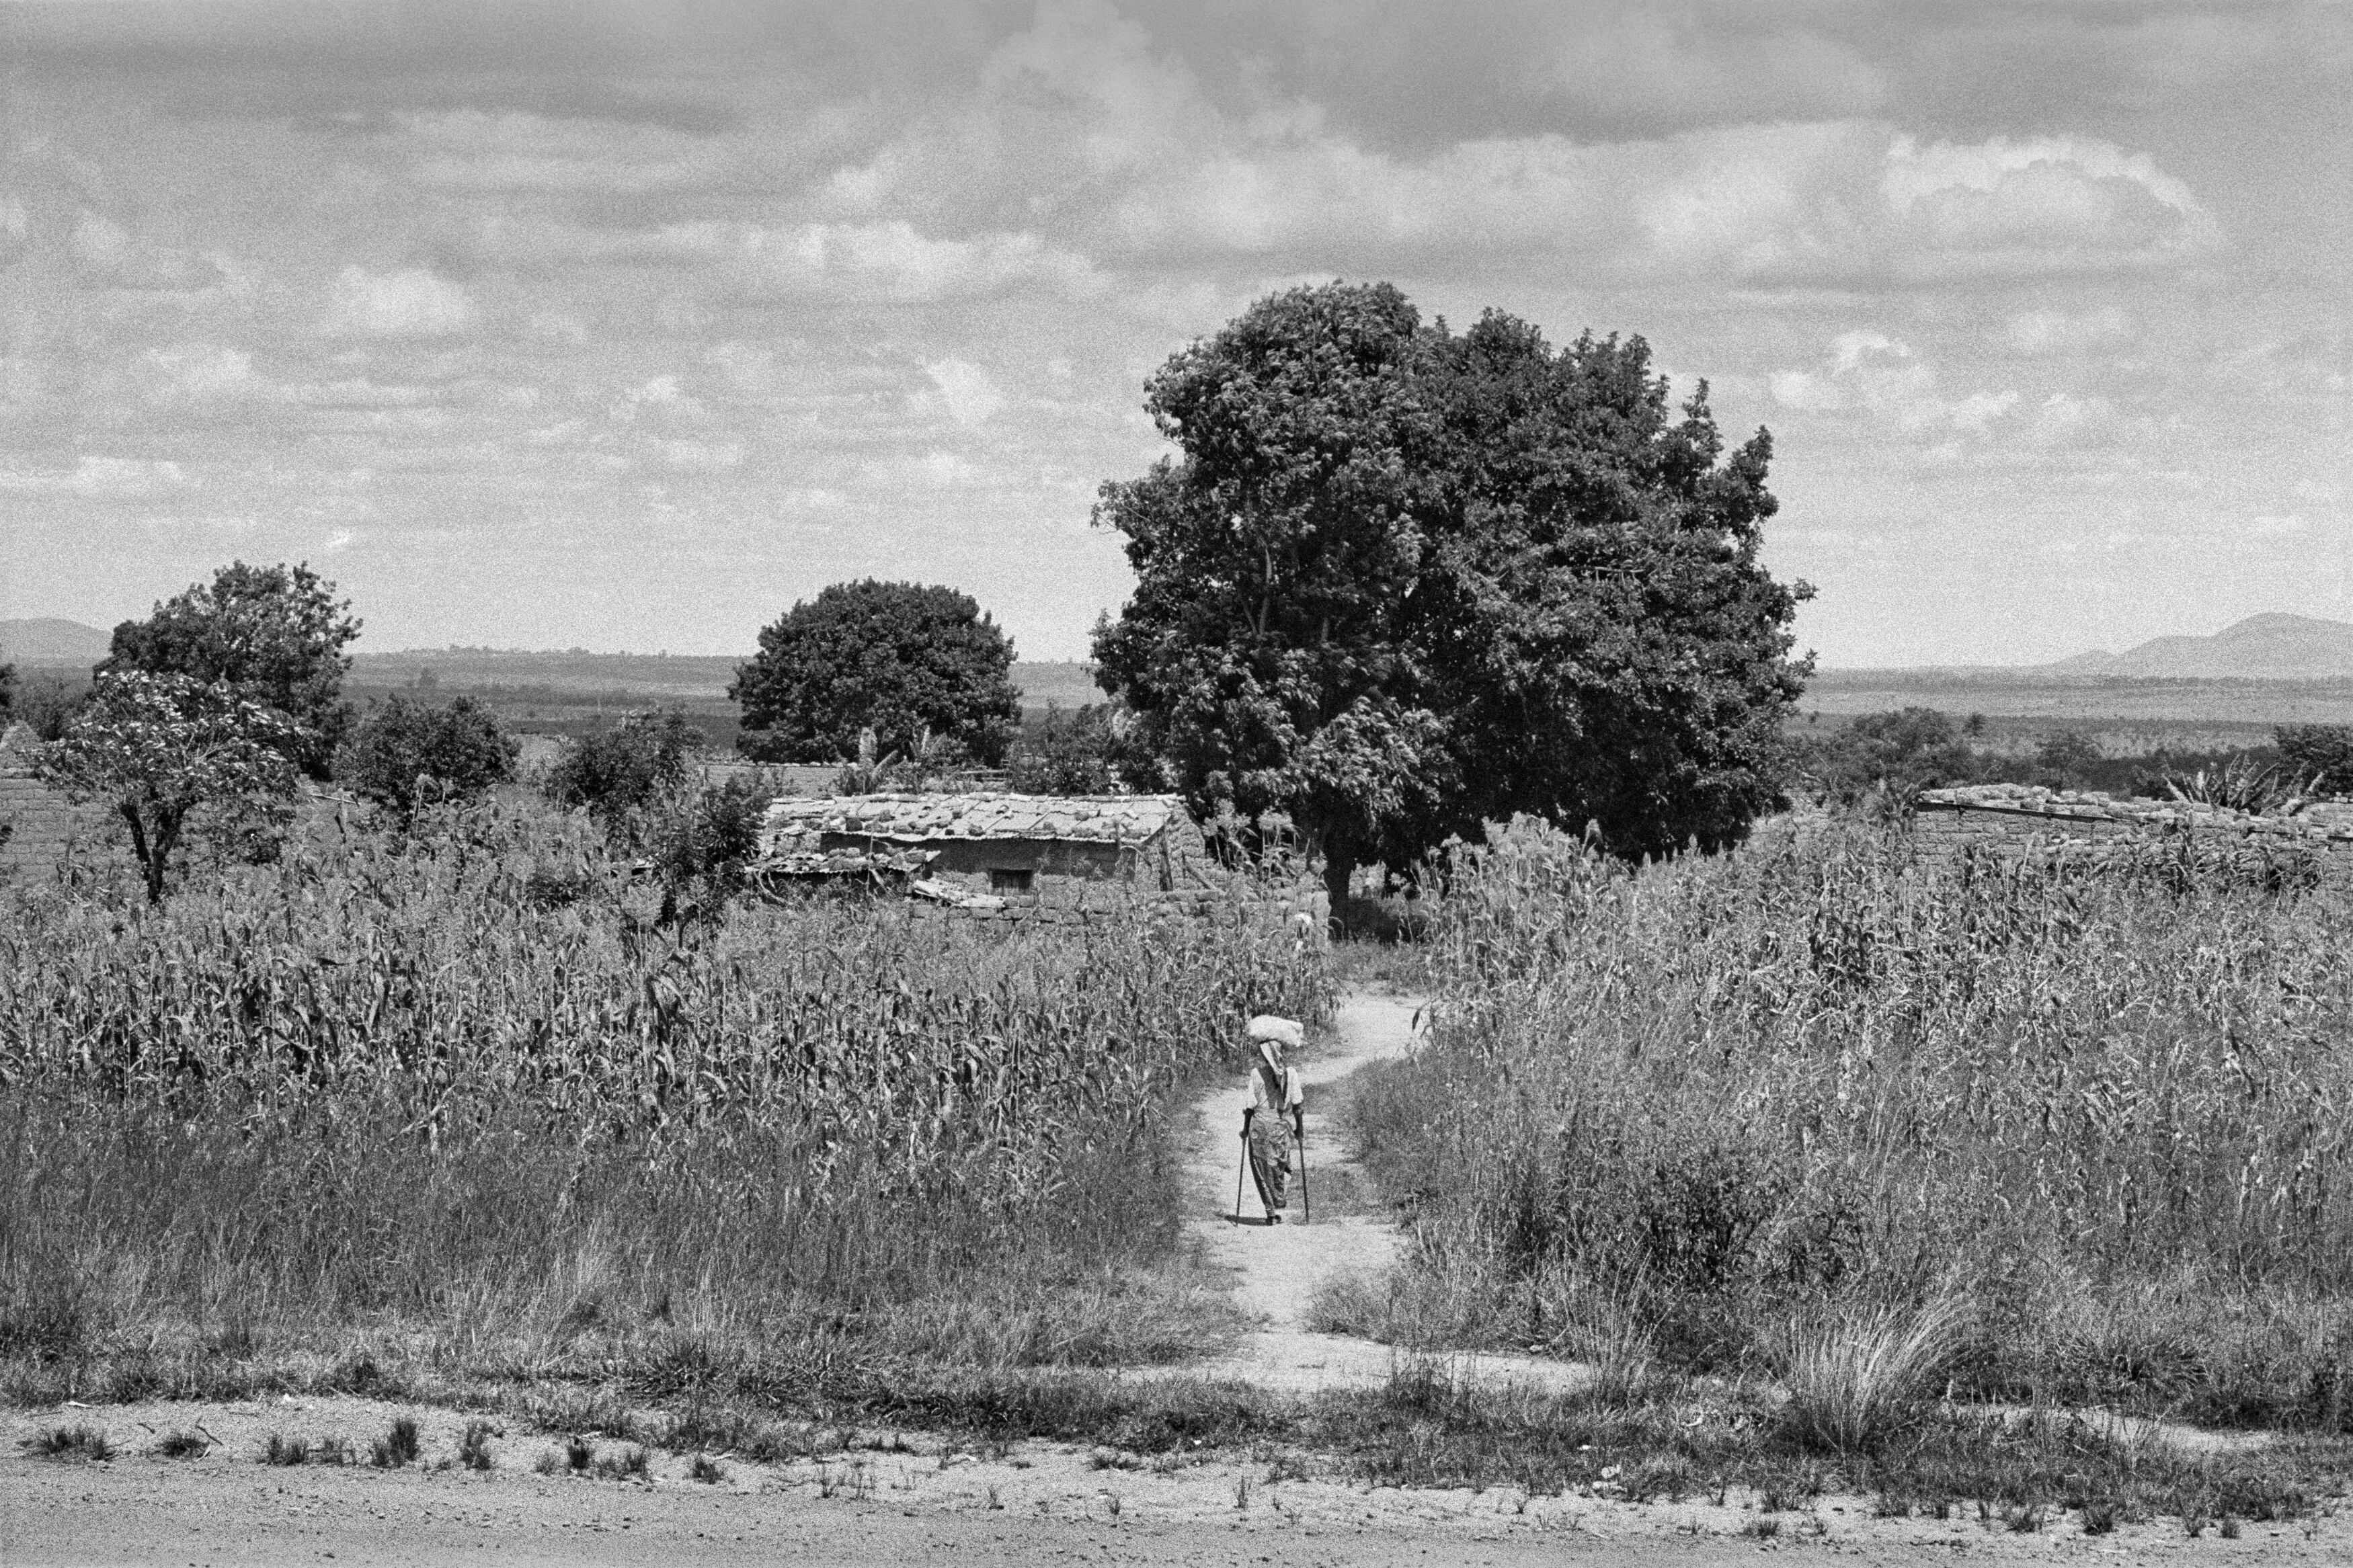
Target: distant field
x=2126, y=718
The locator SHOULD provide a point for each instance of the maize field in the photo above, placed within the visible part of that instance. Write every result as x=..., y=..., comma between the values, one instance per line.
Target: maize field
x=389, y=1073
x=2110, y=1106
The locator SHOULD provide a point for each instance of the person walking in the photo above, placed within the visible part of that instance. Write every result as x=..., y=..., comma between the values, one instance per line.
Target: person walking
x=1276, y=1113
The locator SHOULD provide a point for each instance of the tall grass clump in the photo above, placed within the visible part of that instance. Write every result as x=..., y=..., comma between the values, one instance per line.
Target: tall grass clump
x=1827, y=1076
x=441, y=1104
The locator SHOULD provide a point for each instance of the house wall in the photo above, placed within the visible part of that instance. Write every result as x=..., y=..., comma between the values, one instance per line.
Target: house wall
x=1055, y=864
x=1950, y=829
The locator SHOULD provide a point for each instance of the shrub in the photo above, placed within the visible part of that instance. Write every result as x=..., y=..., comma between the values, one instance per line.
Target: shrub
x=627, y=767
x=409, y=753
x=1855, y=1377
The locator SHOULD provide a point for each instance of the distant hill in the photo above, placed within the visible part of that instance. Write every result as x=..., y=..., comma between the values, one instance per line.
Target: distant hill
x=2261, y=647
x=52, y=641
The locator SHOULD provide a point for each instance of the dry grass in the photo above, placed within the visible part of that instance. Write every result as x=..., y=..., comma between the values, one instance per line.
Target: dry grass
x=1857, y=1379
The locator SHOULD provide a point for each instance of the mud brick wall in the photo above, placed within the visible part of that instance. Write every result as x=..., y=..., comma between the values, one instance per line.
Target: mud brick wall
x=1950, y=823
x=42, y=827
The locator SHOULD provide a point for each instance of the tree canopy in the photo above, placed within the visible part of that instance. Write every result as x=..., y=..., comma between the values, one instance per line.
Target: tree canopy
x=899, y=659
x=275, y=633
x=1402, y=580
x=154, y=748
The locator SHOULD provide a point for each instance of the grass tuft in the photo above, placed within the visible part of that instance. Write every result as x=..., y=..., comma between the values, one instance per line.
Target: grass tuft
x=68, y=1443
x=1857, y=1380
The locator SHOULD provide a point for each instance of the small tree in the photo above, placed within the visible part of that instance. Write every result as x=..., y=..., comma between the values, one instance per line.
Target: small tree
x=7, y=694
x=275, y=633
x=154, y=748
x=895, y=657
x=409, y=753
x=1900, y=753
x=2321, y=753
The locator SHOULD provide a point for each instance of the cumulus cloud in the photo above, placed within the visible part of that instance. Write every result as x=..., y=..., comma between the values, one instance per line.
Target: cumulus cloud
x=969, y=394
x=410, y=303
x=1871, y=376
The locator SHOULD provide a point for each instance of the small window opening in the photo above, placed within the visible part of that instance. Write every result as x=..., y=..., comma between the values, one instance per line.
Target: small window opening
x=1005, y=881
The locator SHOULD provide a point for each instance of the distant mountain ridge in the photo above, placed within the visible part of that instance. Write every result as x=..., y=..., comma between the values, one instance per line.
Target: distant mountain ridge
x=2270, y=646
x=48, y=640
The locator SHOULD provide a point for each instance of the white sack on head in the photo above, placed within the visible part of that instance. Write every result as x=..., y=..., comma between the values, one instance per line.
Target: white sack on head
x=1283, y=1032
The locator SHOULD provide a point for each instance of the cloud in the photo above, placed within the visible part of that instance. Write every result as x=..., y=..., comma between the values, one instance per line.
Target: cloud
x=98, y=478
x=473, y=151
x=411, y=303
x=1872, y=376
x=970, y=397
x=112, y=255
x=2029, y=203
x=2057, y=331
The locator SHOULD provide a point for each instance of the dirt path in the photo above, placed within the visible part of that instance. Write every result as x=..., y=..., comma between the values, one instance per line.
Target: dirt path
x=906, y=1501
x=1278, y=1270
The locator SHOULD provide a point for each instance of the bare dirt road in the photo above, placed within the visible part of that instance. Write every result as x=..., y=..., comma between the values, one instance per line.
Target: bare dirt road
x=908, y=1500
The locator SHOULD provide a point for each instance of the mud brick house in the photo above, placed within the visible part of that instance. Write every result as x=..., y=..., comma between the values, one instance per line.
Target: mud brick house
x=1007, y=845
x=1019, y=857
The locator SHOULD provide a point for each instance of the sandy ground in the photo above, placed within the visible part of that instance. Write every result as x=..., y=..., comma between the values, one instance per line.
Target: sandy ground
x=908, y=1500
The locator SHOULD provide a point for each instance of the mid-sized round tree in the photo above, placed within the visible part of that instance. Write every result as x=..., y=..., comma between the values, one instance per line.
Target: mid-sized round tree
x=1400, y=581
x=152, y=749
x=406, y=753
x=901, y=659
x=275, y=633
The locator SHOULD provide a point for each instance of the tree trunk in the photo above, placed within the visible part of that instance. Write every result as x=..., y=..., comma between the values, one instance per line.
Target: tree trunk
x=1339, y=867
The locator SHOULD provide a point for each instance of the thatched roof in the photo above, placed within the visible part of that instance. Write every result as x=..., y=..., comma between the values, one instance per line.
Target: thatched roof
x=1126, y=819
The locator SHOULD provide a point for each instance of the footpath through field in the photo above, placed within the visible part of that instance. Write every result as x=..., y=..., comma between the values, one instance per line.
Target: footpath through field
x=1277, y=1269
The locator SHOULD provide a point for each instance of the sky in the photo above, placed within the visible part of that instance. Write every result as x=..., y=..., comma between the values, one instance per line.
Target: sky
x=627, y=326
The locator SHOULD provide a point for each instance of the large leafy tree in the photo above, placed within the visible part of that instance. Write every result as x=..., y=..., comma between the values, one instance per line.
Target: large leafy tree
x=154, y=748
x=275, y=633
x=1401, y=580
x=901, y=659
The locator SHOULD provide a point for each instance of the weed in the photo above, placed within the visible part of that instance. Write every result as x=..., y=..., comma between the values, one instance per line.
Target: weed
x=1241, y=1492
x=2099, y=1517
x=2228, y=1528
x=333, y=1451
x=993, y=1500
x=1763, y=1528
x=474, y=1447
x=630, y=1465
x=551, y=1463
x=179, y=1444
x=399, y=1446
x=278, y=1449
x=579, y=1453
x=68, y=1443
x=1111, y=1504
x=706, y=1470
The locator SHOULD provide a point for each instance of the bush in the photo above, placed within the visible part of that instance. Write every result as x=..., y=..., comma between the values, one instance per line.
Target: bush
x=409, y=753
x=626, y=768
x=1094, y=751
x=2319, y=753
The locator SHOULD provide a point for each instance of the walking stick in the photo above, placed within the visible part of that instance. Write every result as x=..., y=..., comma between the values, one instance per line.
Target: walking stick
x=1306, y=1193
x=1240, y=1166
